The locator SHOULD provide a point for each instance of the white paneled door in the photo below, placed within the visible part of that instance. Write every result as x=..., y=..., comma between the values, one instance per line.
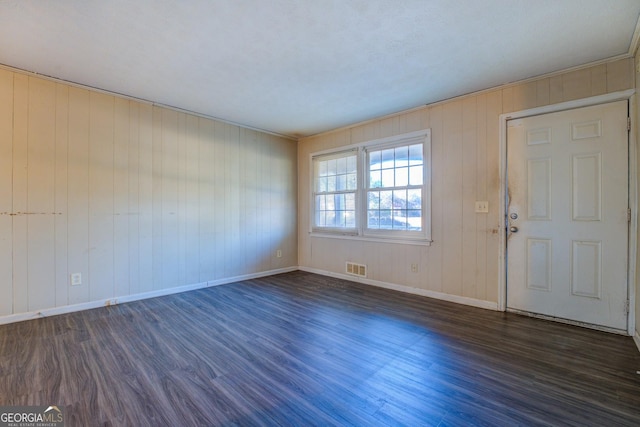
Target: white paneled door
x=568, y=215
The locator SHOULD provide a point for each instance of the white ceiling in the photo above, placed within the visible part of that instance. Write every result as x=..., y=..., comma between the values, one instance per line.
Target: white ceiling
x=300, y=67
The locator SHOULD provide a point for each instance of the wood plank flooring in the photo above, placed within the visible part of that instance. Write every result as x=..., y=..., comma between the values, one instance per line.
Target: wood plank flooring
x=303, y=349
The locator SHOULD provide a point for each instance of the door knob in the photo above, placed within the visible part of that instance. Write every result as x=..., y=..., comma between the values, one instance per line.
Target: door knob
x=513, y=229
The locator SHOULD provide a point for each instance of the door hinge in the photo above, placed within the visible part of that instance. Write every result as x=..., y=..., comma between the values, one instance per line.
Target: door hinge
x=626, y=307
x=628, y=123
x=629, y=215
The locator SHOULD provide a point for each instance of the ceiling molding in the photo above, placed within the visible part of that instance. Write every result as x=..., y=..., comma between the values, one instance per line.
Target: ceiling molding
x=142, y=101
x=476, y=93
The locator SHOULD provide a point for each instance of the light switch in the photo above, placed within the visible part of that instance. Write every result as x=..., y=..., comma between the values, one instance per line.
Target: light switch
x=482, y=206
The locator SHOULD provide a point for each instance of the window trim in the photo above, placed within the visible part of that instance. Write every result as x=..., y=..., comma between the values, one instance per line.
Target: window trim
x=361, y=232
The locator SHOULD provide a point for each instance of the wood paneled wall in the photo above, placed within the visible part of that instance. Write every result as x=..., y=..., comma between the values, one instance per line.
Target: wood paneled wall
x=134, y=197
x=463, y=258
x=636, y=127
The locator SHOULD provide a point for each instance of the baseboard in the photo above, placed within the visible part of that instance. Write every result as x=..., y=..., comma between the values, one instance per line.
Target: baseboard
x=489, y=305
x=54, y=311
x=636, y=339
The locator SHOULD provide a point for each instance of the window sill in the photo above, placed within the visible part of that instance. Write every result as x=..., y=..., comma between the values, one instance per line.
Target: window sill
x=374, y=239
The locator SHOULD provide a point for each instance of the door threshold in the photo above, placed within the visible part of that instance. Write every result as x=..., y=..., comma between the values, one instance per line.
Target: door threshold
x=568, y=321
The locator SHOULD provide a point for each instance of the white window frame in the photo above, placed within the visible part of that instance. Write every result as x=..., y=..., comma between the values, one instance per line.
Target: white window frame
x=361, y=232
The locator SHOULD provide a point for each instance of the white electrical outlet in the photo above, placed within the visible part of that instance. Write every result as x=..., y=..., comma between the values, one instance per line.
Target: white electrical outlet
x=279, y=253
x=482, y=206
x=76, y=279
x=414, y=268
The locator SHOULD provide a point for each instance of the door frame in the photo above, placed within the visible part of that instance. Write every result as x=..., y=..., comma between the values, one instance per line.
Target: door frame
x=627, y=95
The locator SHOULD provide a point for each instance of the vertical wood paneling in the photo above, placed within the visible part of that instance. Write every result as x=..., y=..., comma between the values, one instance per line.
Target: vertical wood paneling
x=183, y=249
x=192, y=173
x=211, y=199
x=61, y=218
x=121, y=209
x=620, y=75
x=41, y=194
x=264, y=186
x=78, y=193
x=101, y=196
x=250, y=202
x=555, y=90
x=525, y=96
x=6, y=192
x=482, y=194
x=542, y=92
x=576, y=84
x=156, y=207
x=453, y=200
x=438, y=177
x=134, y=198
x=145, y=196
x=232, y=244
x=169, y=210
x=599, y=80
x=493, y=110
x=20, y=193
x=469, y=191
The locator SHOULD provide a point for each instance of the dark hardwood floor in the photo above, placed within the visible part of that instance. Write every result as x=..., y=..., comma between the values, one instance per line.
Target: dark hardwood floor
x=302, y=349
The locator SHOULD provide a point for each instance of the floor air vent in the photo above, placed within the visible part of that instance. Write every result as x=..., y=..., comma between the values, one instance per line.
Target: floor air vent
x=356, y=269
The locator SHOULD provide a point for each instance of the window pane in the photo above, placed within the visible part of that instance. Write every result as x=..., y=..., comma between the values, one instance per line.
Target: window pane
x=374, y=160
x=373, y=219
x=387, y=178
x=341, y=182
x=402, y=177
x=415, y=175
x=375, y=179
x=386, y=199
x=341, y=167
x=373, y=200
x=402, y=156
x=321, y=184
x=399, y=220
x=414, y=220
x=414, y=199
x=400, y=199
x=387, y=158
x=330, y=218
x=331, y=167
x=386, y=220
x=322, y=168
x=350, y=219
x=415, y=154
x=331, y=183
x=350, y=202
x=352, y=164
x=352, y=181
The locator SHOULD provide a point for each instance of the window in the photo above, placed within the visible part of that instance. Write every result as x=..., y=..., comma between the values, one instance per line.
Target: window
x=377, y=190
x=335, y=187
